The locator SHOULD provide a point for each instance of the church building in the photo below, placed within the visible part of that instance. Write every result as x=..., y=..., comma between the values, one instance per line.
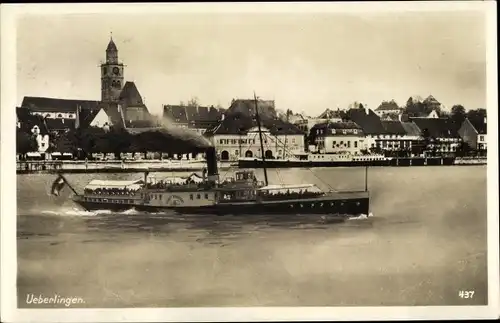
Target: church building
x=121, y=104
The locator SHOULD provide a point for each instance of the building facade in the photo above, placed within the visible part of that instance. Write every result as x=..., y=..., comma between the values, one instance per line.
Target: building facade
x=237, y=136
x=474, y=134
x=338, y=138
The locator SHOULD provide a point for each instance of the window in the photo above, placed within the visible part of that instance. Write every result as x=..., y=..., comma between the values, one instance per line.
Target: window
x=190, y=196
x=206, y=196
x=348, y=144
x=236, y=152
x=355, y=144
x=221, y=141
x=293, y=140
x=59, y=115
x=198, y=196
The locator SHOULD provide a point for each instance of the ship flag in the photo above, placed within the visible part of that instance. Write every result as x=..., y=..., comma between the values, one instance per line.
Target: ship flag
x=58, y=185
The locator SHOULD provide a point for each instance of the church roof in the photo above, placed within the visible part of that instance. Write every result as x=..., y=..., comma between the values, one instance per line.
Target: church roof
x=43, y=104
x=130, y=94
x=111, y=46
x=113, y=110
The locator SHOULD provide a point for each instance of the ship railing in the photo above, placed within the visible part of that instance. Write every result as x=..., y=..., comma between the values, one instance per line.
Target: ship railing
x=110, y=191
x=290, y=195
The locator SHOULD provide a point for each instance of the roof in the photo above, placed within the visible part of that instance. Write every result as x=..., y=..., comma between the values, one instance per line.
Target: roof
x=393, y=127
x=28, y=121
x=44, y=104
x=87, y=116
x=185, y=114
x=411, y=129
x=111, y=46
x=480, y=126
x=176, y=113
x=240, y=123
x=113, y=110
x=60, y=124
x=438, y=128
x=431, y=99
x=388, y=105
x=336, y=125
x=247, y=106
x=130, y=94
x=369, y=122
x=96, y=183
x=329, y=114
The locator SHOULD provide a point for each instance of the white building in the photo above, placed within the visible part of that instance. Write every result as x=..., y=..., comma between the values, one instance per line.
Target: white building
x=238, y=136
x=338, y=138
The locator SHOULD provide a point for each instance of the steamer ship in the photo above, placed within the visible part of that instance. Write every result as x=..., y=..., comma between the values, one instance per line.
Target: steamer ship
x=207, y=194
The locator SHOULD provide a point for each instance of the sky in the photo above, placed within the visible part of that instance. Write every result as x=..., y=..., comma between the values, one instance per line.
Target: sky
x=305, y=62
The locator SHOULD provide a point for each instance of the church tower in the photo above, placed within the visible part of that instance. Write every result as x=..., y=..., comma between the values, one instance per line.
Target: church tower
x=111, y=75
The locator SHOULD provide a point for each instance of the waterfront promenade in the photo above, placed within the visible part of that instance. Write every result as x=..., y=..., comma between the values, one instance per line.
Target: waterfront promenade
x=111, y=166
x=117, y=166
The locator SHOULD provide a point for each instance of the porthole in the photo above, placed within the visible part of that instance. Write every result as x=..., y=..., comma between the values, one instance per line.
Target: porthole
x=301, y=205
x=358, y=204
x=291, y=206
x=321, y=205
x=312, y=204
x=331, y=204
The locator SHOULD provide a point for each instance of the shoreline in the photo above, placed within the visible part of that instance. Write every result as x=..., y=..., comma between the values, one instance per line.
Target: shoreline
x=80, y=167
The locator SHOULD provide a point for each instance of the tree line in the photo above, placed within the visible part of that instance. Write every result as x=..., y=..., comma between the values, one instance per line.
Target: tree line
x=84, y=142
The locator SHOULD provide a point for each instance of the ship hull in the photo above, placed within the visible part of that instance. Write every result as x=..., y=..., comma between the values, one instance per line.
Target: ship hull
x=343, y=205
x=399, y=162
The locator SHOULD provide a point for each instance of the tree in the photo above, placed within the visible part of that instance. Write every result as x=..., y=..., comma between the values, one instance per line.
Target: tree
x=193, y=102
x=458, y=114
x=477, y=116
x=464, y=149
x=25, y=143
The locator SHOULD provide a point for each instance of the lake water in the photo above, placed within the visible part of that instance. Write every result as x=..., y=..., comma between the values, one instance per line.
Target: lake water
x=425, y=242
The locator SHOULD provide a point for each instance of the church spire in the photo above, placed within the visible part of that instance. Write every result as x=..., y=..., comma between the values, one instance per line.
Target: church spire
x=111, y=45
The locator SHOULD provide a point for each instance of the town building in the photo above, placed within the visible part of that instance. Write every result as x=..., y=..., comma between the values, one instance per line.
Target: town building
x=441, y=134
x=237, y=135
x=389, y=110
x=398, y=139
x=474, y=133
x=371, y=124
x=338, y=138
x=196, y=118
x=307, y=123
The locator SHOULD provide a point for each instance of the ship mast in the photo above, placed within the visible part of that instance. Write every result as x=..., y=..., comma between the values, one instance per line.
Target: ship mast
x=257, y=118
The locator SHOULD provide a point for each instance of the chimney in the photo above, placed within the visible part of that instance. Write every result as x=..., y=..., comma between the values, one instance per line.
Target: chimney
x=485, y=120
x=367, y=110
x=212, y=172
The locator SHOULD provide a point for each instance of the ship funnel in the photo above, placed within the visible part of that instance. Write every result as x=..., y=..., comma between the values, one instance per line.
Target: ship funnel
x=212, y=171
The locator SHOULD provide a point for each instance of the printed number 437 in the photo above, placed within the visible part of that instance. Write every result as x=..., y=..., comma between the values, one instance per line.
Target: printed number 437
x=466, y=294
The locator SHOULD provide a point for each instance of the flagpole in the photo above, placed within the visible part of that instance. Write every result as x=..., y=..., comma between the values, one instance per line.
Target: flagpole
x=67, y=183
